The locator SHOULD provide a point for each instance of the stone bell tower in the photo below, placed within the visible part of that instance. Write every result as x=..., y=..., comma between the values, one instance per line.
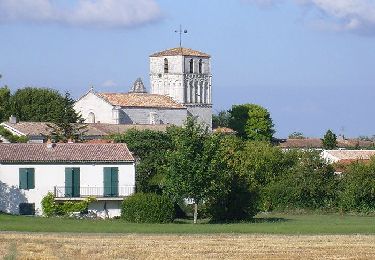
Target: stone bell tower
x=185, y=75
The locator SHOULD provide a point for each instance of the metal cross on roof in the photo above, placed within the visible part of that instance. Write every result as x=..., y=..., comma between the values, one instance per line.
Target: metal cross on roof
x=181, y=32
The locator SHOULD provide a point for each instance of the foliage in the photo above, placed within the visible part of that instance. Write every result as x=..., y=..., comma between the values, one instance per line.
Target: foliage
x=148, y=208
x=252, y=122
x=149, y=148
x=296, y=135
x=221, y=119
x=357, y=187
x=309, y=184
x=12, y=138
x=194, y=168
x=329, y=140
x=66, y=124
x=52, y=208
x=4, y=103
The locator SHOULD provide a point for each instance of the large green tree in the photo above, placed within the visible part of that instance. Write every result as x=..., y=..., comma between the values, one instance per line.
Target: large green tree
x=150, y=149
x=221, y=119
x=37, y=104
x=329, y=140
x=194, y=168
x=4, y=103
x=252, y=122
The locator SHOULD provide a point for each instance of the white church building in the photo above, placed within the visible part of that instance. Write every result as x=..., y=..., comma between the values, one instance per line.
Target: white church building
x=181, y=86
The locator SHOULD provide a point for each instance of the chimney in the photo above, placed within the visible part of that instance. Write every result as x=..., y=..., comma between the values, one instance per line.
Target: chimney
x=13, y=119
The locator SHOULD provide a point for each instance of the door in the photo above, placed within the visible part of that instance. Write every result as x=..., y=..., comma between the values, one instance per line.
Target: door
x=110, y=182
x=72, y=182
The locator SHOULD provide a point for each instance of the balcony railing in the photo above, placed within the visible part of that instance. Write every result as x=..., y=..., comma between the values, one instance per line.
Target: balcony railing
x=98, y=192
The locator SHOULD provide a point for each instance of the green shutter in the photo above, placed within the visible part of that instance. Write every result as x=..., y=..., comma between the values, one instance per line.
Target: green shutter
x=68, y=182
x=76, y=182
x=30, y=178
x=107, y=176
x=23, y=178
x=114, y=182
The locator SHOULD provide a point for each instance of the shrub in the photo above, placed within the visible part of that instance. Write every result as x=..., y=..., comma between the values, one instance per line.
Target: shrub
x=51, y=208
x=148, y=208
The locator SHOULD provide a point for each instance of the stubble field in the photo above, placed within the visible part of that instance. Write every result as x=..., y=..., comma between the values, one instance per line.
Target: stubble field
x=221, y=246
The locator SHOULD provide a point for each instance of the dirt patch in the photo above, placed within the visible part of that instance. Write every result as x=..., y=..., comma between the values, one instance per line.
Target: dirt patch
x=77, y=246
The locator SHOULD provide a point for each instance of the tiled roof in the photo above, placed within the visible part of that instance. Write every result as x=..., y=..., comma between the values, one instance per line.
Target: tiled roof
x=351, y=155
x=317, y=143
x=64, y=153
x=30, y=128
x=224, y=130
x=140, y=100
x=180, y=51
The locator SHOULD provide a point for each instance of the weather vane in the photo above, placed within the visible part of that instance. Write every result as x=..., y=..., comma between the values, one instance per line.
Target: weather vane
x=180, y=32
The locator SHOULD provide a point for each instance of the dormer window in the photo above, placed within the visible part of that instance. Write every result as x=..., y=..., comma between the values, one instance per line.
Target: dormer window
x=200, y=66
x=166, y=68
x=191, y=66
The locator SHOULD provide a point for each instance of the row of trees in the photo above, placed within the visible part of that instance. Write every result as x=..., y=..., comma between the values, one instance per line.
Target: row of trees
x=230, y=178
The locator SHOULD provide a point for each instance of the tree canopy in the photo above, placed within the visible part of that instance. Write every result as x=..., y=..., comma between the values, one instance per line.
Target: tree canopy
x=4, y=103
x=329, y=140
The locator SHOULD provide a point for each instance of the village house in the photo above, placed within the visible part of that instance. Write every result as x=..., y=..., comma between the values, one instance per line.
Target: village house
x=71, y=171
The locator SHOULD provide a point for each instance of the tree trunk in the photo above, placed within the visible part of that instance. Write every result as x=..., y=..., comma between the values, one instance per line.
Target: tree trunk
x=195, y=212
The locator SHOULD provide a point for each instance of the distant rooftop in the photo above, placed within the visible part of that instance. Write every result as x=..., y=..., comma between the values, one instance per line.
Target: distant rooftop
x=180, y=51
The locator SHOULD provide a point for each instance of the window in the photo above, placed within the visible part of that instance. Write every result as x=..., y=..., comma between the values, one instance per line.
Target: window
x=72, y=182
x=200, y=66
x=91, y=118
x=27, y=178
x=110, y=182
x=191, y=66
x=27, y=208
x=153, y=118
x=166, y=67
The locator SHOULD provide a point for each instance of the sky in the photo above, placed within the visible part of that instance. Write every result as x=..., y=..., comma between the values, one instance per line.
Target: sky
x=311, y=63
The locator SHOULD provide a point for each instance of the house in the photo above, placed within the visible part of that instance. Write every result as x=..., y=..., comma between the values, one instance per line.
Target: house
x=181, y=86
x=71, y=171
x=316, y=143
x=38, y=132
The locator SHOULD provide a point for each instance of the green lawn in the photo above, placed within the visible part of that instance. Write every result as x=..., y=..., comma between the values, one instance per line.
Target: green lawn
x=269, y=224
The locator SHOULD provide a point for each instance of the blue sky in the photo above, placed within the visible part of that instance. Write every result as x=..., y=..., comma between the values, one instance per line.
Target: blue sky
x=309, y=62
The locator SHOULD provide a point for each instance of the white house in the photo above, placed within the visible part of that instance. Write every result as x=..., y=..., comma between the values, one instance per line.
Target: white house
x=72, y=172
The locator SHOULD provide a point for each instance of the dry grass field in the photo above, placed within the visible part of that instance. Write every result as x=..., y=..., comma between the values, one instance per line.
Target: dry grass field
x=225, y=246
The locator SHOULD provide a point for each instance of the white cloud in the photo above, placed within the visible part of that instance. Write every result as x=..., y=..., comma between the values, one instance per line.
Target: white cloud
x=109, y=84
x=342, y=15
x=97, y=13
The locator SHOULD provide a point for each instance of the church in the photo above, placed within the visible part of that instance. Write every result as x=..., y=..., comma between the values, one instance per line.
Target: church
x=181, y=86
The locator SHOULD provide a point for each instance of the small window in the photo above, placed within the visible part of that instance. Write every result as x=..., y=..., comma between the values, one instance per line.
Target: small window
x=191, y=66
x=200, y=66
x=27, y=209
x=26, y=178
x=166, y=67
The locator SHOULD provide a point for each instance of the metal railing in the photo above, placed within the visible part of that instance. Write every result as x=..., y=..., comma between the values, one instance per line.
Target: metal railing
x=99, y=192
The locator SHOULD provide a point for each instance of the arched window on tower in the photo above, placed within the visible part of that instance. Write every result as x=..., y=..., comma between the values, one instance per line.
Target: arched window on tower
x=166, y=67
x=191, y=66
x=200, y=66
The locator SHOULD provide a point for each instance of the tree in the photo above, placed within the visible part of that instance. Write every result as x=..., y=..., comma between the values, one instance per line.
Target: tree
x=252, y=122
x=37, y=104
x=329, y=140
x=221, y=119
x=150, y=149
x=4, y=103
x=67, y=124
x=194, y=168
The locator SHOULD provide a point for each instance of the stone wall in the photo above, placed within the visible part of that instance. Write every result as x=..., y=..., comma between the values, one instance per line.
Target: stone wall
x=143, y=116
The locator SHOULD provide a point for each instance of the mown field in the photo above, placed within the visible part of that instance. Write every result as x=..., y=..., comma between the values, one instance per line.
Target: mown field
x=308, y=224
x=219, y=246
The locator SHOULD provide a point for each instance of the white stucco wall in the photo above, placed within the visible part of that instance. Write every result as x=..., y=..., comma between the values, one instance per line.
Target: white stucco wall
x=91, y=103
x=142, y=116
x=203, y=114
x=49, y=176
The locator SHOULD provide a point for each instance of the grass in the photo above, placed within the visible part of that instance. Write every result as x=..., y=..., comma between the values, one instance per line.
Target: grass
x=308, y=224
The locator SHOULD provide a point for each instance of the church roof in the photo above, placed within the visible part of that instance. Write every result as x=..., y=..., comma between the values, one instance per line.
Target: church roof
x=140, y=100
x=180, y=51
x=138, y=87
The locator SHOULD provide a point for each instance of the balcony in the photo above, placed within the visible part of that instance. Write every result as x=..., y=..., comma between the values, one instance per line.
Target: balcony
x=100, y=193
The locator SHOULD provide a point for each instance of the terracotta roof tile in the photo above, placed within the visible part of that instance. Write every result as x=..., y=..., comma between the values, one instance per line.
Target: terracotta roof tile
x=64, y=153
x=317, y=143
x=140, y=100
x=351, y=155
x=180, y=51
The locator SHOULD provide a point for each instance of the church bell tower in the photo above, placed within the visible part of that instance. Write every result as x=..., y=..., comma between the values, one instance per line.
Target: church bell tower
x=185, y=75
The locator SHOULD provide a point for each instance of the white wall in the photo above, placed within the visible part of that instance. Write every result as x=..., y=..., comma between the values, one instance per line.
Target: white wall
x=93, y=104
x=48, y=176
x=165, y=116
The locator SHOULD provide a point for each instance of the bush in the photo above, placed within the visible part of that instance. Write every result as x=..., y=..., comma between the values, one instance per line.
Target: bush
x=51, y=208
x=357, y=188
x=148, y=208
